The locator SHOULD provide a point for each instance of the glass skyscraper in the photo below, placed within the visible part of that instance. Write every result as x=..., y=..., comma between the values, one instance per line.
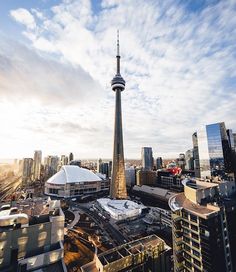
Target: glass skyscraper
x=213, y=150
x=147, y=158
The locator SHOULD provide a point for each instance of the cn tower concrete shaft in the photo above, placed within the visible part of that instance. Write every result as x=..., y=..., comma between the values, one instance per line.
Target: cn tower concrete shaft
x=118, y=180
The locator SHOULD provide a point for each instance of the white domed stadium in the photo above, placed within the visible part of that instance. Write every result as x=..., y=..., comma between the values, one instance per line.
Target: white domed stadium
x=73, y=181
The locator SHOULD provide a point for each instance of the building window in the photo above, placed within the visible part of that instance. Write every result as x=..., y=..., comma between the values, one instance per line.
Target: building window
x=185, y=224
x=196, y=262
x=188, y=264
x=193, y=218
x=187, y=248
x=193, y=227
x=196, y=253
x=53, y=191
x=185, y=215
x=195, y=244
x=187, y=240
x=195, y=236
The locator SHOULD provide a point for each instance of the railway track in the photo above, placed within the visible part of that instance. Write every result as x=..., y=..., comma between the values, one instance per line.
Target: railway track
x=9, y=186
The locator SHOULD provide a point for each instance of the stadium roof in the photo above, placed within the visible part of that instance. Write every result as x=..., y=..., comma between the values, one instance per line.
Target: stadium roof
x=72, y=174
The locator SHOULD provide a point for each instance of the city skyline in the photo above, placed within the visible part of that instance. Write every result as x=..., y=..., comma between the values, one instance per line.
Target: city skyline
x=57, y=61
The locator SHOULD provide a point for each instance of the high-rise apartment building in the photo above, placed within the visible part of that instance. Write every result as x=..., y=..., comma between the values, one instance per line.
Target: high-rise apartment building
x=213, y=151
x=64, y=160
x=37, y=164
x=51, y=165
x=118, y=181
x=27, y=170
x=204, y=218
x=99, y=162
x=147, y=158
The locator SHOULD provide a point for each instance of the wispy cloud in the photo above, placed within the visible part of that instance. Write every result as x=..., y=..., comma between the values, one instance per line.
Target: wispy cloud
x=178, y=61
x=24, y=17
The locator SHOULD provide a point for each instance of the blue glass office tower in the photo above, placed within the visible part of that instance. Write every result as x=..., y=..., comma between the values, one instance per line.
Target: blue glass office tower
x=213, y=150
x=147, y=158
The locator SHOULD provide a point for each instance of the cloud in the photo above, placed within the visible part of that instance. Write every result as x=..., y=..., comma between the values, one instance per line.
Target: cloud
x=27, y=75
x=24, y=17
x=179, y=65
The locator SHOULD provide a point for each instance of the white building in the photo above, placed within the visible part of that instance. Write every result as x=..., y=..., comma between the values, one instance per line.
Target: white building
x=120, y=209
x=72, y=181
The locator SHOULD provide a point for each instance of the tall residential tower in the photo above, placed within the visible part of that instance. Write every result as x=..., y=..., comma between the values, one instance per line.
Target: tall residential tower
x=203, y=227
x=37, y=164
x=118, y=180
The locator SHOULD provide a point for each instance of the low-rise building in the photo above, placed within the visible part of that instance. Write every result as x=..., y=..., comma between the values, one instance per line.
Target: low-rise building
x=120, y=209
x=154, y=193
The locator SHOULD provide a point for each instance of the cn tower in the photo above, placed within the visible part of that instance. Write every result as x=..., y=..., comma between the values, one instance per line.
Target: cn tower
x=118, y=180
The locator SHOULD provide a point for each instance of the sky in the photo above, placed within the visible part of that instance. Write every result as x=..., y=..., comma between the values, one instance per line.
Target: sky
x=57, y=58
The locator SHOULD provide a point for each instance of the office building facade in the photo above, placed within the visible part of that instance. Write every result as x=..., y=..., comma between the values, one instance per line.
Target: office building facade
x=159, y=163
x=213, y=151
x=147, y=158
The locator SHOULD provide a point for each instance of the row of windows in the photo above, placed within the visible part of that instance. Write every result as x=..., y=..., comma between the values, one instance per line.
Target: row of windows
x=81, y=191
x=53, y=191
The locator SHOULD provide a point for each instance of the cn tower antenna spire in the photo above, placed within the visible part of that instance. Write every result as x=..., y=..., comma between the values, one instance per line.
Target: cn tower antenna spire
x=118, y=55
x=118, y=44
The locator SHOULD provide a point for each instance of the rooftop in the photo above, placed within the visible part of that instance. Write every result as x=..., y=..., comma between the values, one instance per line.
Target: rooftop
x=155, y=191
x=130, y=248
x=73, y=174
x=199, y=185
x=37, y=206
x=120, y=209
x=29, y=211
x=179, y=201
